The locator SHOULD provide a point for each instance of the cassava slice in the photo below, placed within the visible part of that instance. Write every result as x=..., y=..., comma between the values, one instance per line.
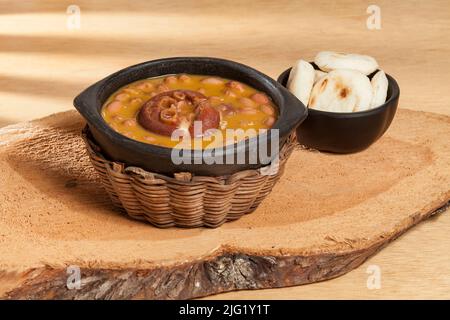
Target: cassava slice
x=379, y=89
x=329, y=60
x=301, y=80
x=341, y=91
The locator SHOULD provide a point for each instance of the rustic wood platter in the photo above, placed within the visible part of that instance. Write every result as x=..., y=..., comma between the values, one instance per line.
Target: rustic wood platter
x=326, y=216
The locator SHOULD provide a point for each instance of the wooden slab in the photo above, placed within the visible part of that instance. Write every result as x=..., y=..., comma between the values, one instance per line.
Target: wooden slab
x=326, y=216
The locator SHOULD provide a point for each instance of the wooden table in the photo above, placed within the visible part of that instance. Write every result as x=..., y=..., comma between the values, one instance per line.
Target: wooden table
x=44, y=64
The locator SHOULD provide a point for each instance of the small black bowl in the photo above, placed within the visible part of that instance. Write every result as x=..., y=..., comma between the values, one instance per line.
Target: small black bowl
x=117, y=147
x=346, y=132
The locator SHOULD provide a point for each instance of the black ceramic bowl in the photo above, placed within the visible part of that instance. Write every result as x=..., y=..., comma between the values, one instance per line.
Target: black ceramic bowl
x=346, y=132
x=117, y=147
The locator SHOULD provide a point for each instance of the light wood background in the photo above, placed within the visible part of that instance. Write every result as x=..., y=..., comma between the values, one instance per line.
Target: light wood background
x=44, y=64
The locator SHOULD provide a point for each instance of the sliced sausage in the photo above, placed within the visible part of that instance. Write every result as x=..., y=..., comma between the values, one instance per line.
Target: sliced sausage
x=162, y=114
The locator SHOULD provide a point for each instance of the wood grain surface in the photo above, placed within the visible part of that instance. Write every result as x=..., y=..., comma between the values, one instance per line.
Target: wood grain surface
x=44, y=64
x=327, y=215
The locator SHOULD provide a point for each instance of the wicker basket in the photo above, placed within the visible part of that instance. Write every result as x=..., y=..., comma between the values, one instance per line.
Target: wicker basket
x=185, y=200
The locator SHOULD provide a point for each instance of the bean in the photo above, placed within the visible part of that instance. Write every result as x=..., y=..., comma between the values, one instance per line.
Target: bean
x=267, y=109
x=226, y=109
x=146, y=87
x=248, y=111
x=150, y=139
x=212, y=81
x=129, y=122
x=132, y=91
x=260, y=98
x=184, y=78
x=171, y=80
x=215, y=100
x=122, y=97
x=118, y=118
x=163, y=88
x=237, y=86
x=114, y=106
x=136, y=102
x=247, y=103
x=230, y=93
x=129, y=134
x=269, y=121
x=201, y=90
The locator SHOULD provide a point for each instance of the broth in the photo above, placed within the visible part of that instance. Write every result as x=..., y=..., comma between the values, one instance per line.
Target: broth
x=231, y=105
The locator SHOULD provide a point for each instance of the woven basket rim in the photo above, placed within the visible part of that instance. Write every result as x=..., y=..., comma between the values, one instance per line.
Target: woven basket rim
x=182, y=177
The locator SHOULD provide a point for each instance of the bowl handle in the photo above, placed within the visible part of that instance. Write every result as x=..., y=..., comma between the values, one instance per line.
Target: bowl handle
x=86, y=101
x=295, y=112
